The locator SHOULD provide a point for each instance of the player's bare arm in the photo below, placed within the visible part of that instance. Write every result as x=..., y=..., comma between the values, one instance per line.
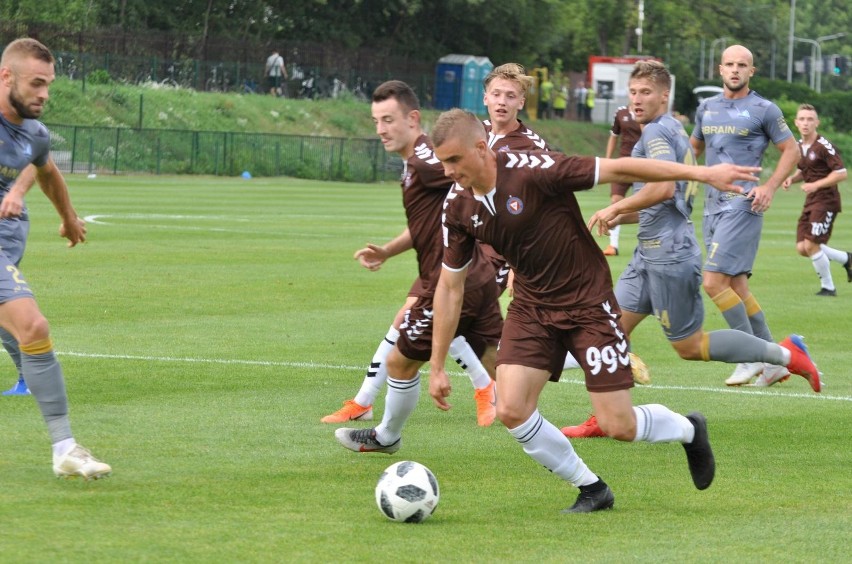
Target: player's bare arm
x=13, y=202
x=627, y=210
x=610, y=145
x=720, y=176
x=447, y=306
x=834, y=178
x=372, y=257
x=697, y=146
x=762, y=195
x=792, y=179
x=53, y=185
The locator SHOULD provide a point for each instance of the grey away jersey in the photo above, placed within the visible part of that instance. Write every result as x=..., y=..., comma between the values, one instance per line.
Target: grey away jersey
x=737, y=131
x=20, y=145
x=666, y=233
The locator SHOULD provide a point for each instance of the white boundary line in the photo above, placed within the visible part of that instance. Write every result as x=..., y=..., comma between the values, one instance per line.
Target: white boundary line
x=316, y=365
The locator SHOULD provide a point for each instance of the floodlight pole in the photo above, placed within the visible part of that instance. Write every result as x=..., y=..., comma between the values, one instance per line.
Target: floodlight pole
x=792, y=38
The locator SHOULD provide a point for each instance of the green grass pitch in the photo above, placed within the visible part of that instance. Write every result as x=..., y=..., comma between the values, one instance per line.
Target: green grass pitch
x=209, y=323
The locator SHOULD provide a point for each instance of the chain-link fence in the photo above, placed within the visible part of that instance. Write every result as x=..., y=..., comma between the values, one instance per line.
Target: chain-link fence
x=102, y=150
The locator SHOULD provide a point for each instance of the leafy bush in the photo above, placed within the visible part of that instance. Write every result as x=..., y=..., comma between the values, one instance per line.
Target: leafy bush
x=99, y=76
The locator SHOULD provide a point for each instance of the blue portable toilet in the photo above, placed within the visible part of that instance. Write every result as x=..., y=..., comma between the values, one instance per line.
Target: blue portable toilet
x=458, y=82
x=484, y=66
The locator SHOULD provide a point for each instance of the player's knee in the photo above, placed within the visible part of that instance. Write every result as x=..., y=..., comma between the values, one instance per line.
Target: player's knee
x=618, y=428
x=36, y=329
x=511, y=415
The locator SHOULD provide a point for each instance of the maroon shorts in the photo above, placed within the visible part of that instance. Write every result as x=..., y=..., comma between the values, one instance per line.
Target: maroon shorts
x=815, y=224
x=481, y=323
x=539, y=338
x=619, y=189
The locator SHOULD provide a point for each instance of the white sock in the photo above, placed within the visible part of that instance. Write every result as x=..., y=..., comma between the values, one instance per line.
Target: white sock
x=549, y=447
x=63, y=447
x=570, y=362
x=376, y=374
x=834, y=254
x=613, y=236
x=464, y=356
x=400, y=402
x=823, y=269
x=656, y=423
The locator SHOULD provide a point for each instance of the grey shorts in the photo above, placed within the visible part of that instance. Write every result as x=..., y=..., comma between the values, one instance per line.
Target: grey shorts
x=669, y=292
x=731, y=239
x=13, y=238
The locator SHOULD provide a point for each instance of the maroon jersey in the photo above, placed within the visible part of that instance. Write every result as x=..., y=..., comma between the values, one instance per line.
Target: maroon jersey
x=533, y=219
x=521, y=139
x=626, y=126
x=818, y=161
x=424, y=189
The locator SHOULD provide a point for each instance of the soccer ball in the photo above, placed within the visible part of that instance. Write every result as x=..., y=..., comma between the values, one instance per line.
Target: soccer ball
x=407, y=492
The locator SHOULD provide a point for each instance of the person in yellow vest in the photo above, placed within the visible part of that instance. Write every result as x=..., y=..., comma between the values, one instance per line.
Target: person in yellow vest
x=545, y=96
x=590, y=103
x=560, y=101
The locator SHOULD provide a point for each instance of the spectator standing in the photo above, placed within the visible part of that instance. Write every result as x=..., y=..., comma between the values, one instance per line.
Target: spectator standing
x=580, y=94
x=276, y=73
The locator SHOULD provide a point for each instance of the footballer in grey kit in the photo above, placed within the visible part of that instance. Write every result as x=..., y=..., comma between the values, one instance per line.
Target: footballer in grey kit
x=737, y=126
x=735, y=131
x=664, y=276
x=26, y=72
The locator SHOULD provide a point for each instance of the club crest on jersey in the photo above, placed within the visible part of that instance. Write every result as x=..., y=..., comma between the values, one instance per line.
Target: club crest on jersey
x=475, y=219
x=812, y=155
x=514, y=205
x=503, y=149
x=406, y=179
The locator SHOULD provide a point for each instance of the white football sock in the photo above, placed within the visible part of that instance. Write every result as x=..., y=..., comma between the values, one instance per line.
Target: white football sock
x=834, y=254
x=823, y=269
x=656, y=423
x=549, y=447
x=464, y=356
x=63, y=447
x=613, y=235
x=400, y=402
x=376, y=374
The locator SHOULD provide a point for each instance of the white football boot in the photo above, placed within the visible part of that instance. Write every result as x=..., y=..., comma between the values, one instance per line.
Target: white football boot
x=744, y=373
x=80, y=462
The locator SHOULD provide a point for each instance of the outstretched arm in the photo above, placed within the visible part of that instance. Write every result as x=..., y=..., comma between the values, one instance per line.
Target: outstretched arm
x=627, y=210
x=631, y=169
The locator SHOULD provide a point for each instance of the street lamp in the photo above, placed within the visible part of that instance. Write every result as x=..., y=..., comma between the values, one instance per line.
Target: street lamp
x=816, y=57
x=712, y=55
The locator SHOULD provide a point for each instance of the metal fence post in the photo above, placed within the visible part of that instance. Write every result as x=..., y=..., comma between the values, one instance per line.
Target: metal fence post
x=117, y=138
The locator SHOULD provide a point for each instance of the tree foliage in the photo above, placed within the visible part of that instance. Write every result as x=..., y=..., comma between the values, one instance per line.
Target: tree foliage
x=534, y=32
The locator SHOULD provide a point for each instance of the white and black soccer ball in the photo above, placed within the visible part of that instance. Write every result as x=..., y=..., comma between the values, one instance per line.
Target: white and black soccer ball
x=407, y=492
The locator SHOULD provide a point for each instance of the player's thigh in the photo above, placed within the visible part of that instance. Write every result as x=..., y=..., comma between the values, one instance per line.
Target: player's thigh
x=731, y=239
x=675, y=291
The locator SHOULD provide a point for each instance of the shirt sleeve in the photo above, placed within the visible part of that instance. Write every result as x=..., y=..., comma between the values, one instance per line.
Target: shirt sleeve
x=458, y=243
